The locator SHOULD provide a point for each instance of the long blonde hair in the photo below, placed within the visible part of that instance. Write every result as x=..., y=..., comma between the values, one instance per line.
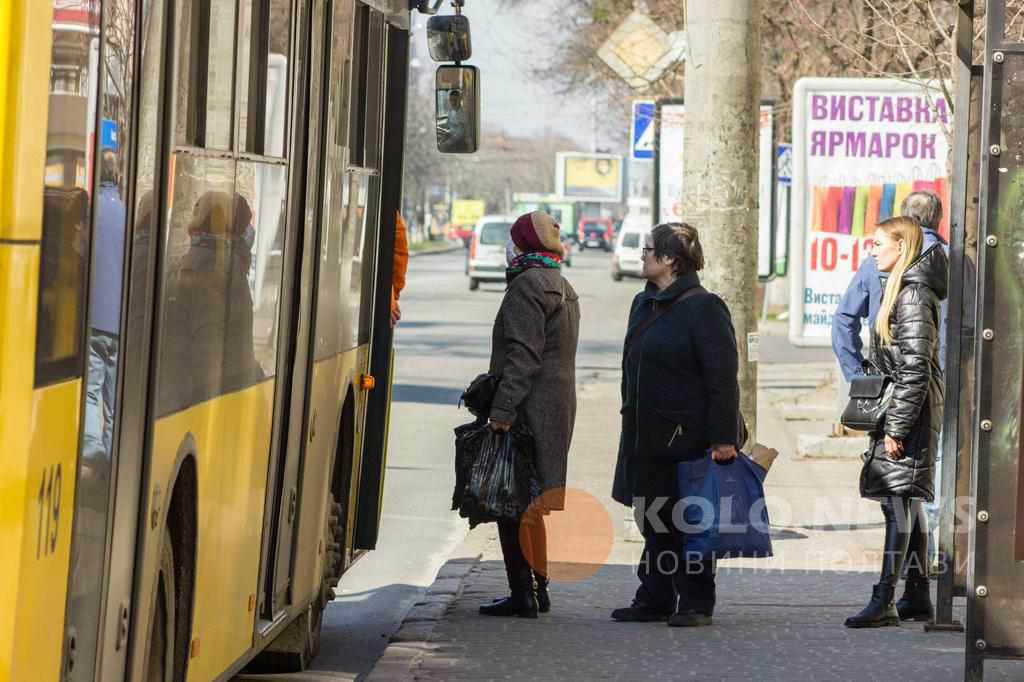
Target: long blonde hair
x=906, y=230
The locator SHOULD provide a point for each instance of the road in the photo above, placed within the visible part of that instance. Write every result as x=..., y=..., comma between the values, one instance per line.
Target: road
x=443, y=342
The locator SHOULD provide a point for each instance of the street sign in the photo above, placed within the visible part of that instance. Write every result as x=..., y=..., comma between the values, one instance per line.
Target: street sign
x=784, y=163
x=860, y=145
x=642, y=148
x=108, y=134
x=639, y=50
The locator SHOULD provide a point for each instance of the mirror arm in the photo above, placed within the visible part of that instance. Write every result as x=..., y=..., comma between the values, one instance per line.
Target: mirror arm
x=424, y=7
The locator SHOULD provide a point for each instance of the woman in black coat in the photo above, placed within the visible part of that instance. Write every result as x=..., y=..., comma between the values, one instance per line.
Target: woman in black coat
x=901, y=460
x=533, y=350
x=680, y=400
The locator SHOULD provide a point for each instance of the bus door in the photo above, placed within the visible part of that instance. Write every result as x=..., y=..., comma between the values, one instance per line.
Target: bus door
x=282, y=515
x=85, y=221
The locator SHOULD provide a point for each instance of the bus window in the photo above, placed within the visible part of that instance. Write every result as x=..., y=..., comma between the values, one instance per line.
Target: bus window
x=360, y=86
x=207, y=345
x=205, y=73
x=263, y=55
x=66, y=201
x=262, y=188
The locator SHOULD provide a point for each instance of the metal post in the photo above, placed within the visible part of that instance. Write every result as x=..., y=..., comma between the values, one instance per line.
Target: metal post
x=720, y=170
x=951, y=436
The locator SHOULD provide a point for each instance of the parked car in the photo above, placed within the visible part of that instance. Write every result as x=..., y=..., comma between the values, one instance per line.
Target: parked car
x=568, y=242
x=487, y=250
x=596, y=231
x=628, y=248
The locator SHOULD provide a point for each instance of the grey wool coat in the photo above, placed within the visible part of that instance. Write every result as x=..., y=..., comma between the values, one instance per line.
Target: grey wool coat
x=533, y=350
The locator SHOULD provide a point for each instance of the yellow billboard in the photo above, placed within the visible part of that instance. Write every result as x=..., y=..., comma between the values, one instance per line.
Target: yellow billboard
x=465, y=212
x=590, y=177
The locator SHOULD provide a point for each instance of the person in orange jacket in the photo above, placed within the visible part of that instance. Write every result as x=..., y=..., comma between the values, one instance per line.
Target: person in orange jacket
x=401, y=265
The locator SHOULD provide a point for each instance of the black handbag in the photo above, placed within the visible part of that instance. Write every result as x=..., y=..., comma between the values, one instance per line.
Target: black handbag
x=870, y=395
x=479, y=395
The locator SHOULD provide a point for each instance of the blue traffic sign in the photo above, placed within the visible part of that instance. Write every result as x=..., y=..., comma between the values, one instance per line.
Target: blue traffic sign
x=784, y=163
x=108, y=134
x=642, y=147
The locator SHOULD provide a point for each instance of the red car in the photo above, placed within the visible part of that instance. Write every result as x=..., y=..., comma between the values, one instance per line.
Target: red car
x=596, y=231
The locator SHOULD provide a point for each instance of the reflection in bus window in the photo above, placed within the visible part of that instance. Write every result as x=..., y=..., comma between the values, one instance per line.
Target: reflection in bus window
x=207, y=345
x=352, y=261
x=263, y=187
x=67, y=179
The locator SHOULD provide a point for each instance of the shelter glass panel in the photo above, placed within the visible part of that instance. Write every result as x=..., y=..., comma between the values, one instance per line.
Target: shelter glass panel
x=999, y=565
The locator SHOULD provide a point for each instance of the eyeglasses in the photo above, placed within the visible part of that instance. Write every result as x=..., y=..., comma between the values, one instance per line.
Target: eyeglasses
x=647, y=249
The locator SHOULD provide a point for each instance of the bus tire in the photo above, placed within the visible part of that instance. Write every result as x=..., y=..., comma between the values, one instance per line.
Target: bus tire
x=474, y=284
x=298, y=644
x=161, y=647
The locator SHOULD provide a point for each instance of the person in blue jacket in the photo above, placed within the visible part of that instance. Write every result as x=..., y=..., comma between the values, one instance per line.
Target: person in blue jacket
x=864, y=295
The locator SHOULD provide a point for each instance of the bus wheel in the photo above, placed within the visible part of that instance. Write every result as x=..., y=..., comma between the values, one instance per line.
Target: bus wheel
x=160, y=647
x=474, y=284
x=332, y=569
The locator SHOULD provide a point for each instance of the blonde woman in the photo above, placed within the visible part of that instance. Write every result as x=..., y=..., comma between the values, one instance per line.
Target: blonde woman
x=900, y=464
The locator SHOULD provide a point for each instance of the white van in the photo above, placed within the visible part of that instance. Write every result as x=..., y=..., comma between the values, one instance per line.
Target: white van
x=628, y=248
x=487, y=250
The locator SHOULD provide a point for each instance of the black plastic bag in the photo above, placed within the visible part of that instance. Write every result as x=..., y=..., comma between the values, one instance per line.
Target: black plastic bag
x=495, y=473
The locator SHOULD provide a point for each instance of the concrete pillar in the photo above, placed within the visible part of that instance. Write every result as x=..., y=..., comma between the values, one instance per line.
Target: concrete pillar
x=720, y=165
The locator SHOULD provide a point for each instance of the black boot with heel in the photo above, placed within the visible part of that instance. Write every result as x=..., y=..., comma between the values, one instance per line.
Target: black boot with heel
x=879, y=612
x=522, y=603
x=916, y=602
x=541, y=592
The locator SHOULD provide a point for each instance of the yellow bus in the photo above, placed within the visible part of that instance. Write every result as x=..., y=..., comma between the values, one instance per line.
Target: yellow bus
x=197, y=203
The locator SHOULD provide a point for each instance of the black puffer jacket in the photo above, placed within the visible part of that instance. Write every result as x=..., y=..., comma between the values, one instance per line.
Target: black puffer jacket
x=912, y=359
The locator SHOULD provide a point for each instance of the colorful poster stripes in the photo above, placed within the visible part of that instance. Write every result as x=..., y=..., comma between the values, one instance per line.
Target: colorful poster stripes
x=857, y=210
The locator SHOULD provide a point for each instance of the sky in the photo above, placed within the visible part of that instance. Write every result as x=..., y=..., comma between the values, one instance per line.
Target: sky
x=506, y=45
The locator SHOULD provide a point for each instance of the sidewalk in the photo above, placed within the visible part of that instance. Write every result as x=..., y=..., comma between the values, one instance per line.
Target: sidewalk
x=776, y=619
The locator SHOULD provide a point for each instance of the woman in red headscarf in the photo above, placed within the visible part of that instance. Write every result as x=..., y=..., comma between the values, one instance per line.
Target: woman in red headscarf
x=534, y=353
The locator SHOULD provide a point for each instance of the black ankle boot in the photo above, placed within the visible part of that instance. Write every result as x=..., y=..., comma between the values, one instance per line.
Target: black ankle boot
x=879, y=612
x=522, y=603
x=916, y=602
x=541, y=592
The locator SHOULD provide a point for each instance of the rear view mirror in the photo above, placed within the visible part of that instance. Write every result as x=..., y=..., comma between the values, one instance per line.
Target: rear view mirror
x=457, y=97
x=448, y=38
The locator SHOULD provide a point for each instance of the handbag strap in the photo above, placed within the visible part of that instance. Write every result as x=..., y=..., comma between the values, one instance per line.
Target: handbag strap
x=642, y=328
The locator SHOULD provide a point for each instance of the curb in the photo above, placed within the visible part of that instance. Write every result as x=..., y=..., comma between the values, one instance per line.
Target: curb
x=436, y=252
x=414, y=637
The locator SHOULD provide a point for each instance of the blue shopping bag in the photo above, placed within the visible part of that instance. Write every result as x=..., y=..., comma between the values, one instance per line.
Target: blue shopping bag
x=723, y=511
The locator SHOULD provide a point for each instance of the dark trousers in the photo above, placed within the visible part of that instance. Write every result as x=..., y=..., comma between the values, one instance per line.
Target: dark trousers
x=524, y=548
x=668, y=578
x=906, y=540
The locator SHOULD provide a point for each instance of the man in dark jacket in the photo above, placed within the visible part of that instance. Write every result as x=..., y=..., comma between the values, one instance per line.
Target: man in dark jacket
x=680, y=400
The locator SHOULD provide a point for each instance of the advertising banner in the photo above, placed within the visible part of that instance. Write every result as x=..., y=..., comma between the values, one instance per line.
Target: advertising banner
x=589, y=177
x=860, y=146
x=465, y=212
x=669, y=162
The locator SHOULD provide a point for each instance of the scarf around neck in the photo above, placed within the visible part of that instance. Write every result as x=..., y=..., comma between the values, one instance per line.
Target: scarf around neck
x=533, y=259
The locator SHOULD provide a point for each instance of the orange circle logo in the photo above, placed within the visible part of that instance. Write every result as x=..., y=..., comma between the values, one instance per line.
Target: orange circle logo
x=567, y=545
